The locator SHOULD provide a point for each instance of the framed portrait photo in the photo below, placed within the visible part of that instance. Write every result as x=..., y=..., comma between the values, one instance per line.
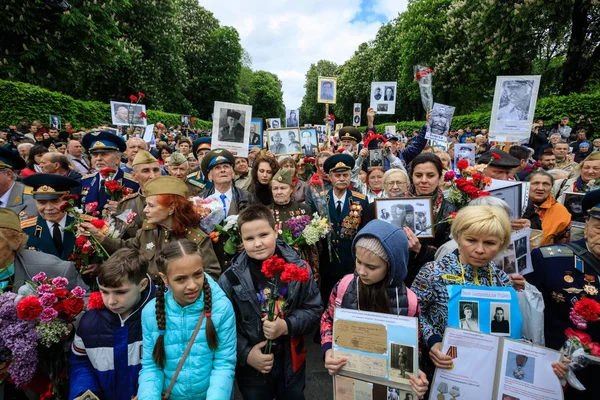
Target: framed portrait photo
x=124, y=114
x=231, y=127
x=415, y=213
x=512, y=193
x=327, y=90
x=55, y=122
x=572, y=202
x=356, y=120
x=186, y=121
x=309, y=142
x=256, y=130
x=273, y=123
x=376, y=158
x=284, y=141
x=291, y=118
x=338, y=127
x=383, y=97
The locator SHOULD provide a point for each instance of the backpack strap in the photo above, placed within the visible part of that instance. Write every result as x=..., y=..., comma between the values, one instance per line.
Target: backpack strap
x=413, y=303
x=341, y=289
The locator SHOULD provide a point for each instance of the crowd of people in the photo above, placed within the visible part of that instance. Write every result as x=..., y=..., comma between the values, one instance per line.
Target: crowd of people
x=185, y=314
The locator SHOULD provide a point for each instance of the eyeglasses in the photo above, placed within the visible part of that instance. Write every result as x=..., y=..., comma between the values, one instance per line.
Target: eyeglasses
x=396, y=183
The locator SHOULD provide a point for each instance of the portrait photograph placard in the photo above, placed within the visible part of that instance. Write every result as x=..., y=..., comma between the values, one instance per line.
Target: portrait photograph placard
x=55, y=122
x=515, y=98
x=284, y=141
x=357, y=108
x=390, y=130
x=572, y=202
x=273, y=123
x=186, y=121
x=376, y=158
x=464, y=151
x=357, y=114
x=515, y=194
x=309, y=142
x=291, y=118
x=327, y=90
x=127, y=114
x=356, y=120
x=256, y=130
x=338, y=127
x=383, y=97
x=231, y=128
x=439, y=123
x=415, y=213
x=321, y=133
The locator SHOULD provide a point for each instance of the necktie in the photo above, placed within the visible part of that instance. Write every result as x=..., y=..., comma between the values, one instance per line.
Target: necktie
x=223, y=197
x=56, y=238
x=339, y=208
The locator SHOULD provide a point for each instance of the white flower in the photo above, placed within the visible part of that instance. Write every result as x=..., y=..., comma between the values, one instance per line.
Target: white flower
x=230, y=223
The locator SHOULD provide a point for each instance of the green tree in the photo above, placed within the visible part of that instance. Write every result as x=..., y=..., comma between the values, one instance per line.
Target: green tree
x=267, y=95
x=310, y=110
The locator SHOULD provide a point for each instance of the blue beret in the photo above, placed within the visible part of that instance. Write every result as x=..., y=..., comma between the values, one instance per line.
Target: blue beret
x=103, y=141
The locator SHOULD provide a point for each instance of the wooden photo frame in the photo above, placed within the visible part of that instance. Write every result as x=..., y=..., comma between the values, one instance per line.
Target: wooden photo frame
x=256, y=133
x=327, y=90
x=415, y=213
x=309, y=143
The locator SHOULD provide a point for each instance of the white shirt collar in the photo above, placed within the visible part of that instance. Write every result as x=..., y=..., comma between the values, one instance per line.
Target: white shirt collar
x=342, y=199
x=6, y=196
x=228, y=193
x=62, y=223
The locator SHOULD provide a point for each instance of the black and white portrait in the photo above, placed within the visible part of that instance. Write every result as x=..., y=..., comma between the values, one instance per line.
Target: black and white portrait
x=511, y=193
x=356, y=120
x=464, y=151
x=521, y=246
x=357, y=108
x=515, y=100
x=441, y=118
x=572, y=202
x=469, y=315
x=510, y=264
x=284, y=141
x=274, y=123
x=375, y=158
x=399, y=394
x=389, y=93
x=309, y=142
x=377, y=93
x=327, y=90
x=127, y=113
x=390, y=130
x=231, y=127
x=414, y=213
x=521, y=264
x=402, y=359
x=500, y=321
x=291, y=119
x=185, y=121
x=55, y=121
x=321, y=133
x=256, y=132
x=382, y=108
x=383, y=97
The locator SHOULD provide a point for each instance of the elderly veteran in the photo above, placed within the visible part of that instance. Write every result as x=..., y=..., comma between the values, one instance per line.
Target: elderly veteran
x=284, y=206
x=106, y=149
x=14, y=195
x=20, y=265
x=589, y=172
x=179, y=167
x=46, y=232
x=195, y=177
x=499, y=164
x=349, y=138
x=565, y=274
x=169, y=216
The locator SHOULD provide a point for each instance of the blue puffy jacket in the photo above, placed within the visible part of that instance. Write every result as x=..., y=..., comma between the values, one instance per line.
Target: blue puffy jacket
x=206, y=374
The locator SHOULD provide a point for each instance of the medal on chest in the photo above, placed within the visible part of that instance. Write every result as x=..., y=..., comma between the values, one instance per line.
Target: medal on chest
x=521, y=361
x=589, y=288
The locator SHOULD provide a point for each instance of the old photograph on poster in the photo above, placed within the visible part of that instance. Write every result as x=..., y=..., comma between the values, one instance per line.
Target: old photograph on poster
x=185, y=121
x=469, y=315
x=291, y=119
x=511, y=194
x=256, y=130
x=440, y=121
x=231, y=127
x=327, y=90
x=402, y=359
x=284, y=141
x=357, y=108
x=415, y=213
x=383, y=97
x=356, y=120
x=309, y=142
x=515, y=98
x=572, y=202
x=273, y=123
x=464, y=151
x=55, y=122
x=390, y=130
x=127, y=113
x=375, y=158
x=321, y=133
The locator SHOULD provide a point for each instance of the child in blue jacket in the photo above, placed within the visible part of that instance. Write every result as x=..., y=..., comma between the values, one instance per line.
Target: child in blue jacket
x=107, y=349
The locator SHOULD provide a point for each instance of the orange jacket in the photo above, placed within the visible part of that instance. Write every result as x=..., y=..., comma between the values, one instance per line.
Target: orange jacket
x=556, y=221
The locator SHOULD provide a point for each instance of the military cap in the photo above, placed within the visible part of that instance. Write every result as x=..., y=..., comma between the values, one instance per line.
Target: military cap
x=202, y=143
x=10, y=160
x=98, y=141
x=338, y=163
x=283, y=176
x=591, y=203
x=9, y=220
x=392, y=138
x=49, y=186
x=214, y=158
x=505, y=160
x=177, y=159
x=350, y=132
x=234, y=114
x=143, y=157
x=165, y=185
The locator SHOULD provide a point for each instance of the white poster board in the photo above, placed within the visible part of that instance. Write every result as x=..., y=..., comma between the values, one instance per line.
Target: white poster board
x=231, y=128
x=383, y=97
x=439, y=123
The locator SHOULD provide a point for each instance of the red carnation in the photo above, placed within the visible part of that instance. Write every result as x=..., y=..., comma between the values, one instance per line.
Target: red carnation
x=133, y=98
x=29, y=308
x=63, y=207
x=60, y=293
x=292, y=273
x=496, y=156
x=588, y=309
x=68, y=197
x=71, y=307
x=95, y=301
x=143, y=115
x=272, y=266
x=80, y=241
x=142, y=95
x=482, y=193
x=460, y=183
x=98, y=223
x=462, y=164
x=316, y=180
x=583, y=337
x=309, y=160
x=106, y=172
x=192, y=120
x=477, y=177
x=470, y=190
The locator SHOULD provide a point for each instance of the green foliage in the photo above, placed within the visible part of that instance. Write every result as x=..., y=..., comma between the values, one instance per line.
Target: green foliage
x=310, y=110
x=24, y=101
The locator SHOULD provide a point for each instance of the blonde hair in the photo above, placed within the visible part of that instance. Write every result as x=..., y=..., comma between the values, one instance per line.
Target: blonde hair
x=389, y=172
x=483, y=220
x=595, y=156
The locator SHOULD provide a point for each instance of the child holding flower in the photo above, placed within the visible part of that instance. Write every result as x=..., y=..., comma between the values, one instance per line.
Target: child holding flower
x=274, y=298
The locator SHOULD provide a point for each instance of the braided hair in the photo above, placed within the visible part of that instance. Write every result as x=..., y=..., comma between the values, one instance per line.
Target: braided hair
x=175, y=250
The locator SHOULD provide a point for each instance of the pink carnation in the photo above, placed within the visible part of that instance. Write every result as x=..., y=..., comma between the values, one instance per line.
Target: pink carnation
x=44, y=288
x=48, y=300
x=78, y=292
x=41, y=277
x=60, y=282
x=448, y=176
x=48, y=314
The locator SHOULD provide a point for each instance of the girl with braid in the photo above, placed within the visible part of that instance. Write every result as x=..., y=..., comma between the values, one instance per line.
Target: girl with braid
x=189, y=334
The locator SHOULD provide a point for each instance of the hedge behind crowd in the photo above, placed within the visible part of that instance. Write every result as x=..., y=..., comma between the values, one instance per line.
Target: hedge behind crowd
x=20, y=100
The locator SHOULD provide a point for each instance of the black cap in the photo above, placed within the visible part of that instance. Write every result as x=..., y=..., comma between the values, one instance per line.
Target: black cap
x=501, y=159
x=49, y=186
x=591, y=203
x=338, y=163
x=350, y=132
x=214, y=158
x=11, y=160
x=98, y=141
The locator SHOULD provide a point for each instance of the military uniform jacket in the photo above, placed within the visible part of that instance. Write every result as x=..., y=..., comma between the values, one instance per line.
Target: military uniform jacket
x=40, y=237
x=92, y=192
x=197, y=182
x=135, y=202
x=21, y=201
x=150, y=239
x=344, y=228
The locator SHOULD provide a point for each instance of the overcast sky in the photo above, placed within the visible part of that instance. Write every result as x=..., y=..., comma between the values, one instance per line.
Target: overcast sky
x=285, y=37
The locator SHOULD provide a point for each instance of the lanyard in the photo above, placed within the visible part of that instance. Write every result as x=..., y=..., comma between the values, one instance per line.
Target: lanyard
x=462, y=274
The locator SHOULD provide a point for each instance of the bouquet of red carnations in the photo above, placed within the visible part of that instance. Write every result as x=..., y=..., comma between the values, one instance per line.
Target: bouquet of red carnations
x=112, y=187
x=469, y=185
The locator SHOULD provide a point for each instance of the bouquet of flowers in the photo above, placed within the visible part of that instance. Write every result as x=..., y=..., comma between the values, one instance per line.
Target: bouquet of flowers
x=302, y=230
x=321, y=202
x=231, y=230
x=470, y=185
x=279, y=273
x=424, y=76
x=133, y=99
x=113, y=189
x=579, y=347
x=210, y=210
